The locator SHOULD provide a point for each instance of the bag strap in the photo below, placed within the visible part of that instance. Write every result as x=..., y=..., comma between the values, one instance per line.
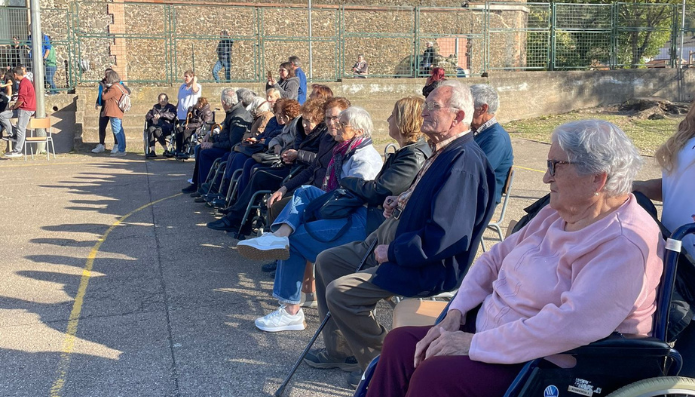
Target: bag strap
x=338, y=235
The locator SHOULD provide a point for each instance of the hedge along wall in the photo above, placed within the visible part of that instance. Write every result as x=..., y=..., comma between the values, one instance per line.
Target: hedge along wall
x=157, y=42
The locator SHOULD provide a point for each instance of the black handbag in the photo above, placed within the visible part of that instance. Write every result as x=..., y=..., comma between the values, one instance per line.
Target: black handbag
x=268, y=159
x=337, y=204
x=249, y=149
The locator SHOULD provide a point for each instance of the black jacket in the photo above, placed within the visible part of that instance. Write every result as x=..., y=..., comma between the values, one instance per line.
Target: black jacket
x=167, y=115
x=224, y=50
x=316, y=172
x=395, y=177
x=237, y=122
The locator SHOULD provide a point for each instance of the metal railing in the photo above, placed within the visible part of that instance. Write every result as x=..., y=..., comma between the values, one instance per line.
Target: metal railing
x=156, y=42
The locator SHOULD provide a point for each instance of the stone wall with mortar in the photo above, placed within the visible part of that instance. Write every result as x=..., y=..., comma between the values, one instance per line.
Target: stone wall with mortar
x=522, y=95
x=155, y=41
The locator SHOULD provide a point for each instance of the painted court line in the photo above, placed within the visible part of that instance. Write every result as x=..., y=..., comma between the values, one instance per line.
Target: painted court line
x=73, y=321
x=529, y=169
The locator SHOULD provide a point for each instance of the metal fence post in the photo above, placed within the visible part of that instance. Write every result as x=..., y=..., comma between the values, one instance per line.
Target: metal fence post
x=553, y=24
x=415, y=64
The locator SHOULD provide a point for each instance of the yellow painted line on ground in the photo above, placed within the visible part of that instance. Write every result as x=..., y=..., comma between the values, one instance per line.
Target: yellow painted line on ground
x=73, y=321
x=52, y=163
x=529, y=169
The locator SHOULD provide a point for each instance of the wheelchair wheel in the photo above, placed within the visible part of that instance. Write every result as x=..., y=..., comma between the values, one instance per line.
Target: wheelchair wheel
x=664, y=386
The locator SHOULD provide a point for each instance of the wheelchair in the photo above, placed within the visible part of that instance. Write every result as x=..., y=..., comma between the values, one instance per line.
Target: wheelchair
x=617, y=366
x=170, y=139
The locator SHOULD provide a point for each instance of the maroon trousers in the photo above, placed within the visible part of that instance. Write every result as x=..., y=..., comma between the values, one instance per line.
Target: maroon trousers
x=437, y=376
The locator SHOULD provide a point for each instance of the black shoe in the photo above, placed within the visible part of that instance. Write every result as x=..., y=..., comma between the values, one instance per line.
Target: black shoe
x=218, y=202
x=354, y=378
x=168, y=154
x=190, y=189
x=199, y=199
x=224, y=225
x=269, y=267
x=321, y=360
x=151, y=155
x=225, y=211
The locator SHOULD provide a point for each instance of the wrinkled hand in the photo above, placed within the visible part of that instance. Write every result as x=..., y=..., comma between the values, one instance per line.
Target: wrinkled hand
x=206, y=145
x=206, y=137
x=381, y=253
x=450, y=343
x=451, y=323
x=271, y=81
x=289, y=156
x=277, y=196
x=389, y=205
x=251, y=140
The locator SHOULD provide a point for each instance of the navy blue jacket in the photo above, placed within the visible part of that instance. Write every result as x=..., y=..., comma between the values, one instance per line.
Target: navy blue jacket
x=442, y=224
x=497, y=146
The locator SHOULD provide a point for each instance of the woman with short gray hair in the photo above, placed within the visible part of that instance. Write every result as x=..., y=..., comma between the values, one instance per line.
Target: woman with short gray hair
x=596, y=147
x=585, y=266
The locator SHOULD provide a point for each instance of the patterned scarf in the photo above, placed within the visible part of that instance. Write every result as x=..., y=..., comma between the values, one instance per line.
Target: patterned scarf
x=341, y=152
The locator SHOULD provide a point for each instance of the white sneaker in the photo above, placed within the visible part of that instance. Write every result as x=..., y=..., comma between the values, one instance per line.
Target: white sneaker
x=280, y=320
x=99, y=149
x=190, y=181
x=118, y=154
x=266, y=247
x=114, y=150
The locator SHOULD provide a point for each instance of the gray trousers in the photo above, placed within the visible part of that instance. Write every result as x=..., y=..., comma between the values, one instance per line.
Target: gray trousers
x=20, y=130
x=352, y=298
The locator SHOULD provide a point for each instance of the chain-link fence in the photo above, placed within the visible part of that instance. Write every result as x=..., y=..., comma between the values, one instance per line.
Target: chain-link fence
x=156, y=43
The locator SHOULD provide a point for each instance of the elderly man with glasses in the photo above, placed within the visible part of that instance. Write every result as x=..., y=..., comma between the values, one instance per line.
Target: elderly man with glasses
x=429, y=238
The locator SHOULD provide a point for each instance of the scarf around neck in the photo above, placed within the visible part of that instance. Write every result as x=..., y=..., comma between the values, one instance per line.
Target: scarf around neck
x=342, y=152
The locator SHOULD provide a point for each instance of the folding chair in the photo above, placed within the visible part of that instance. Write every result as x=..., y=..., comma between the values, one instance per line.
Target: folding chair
x=34, y=124
x=506, y=194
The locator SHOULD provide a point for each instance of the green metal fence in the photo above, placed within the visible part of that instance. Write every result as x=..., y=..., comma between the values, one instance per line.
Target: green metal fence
x=157, y=42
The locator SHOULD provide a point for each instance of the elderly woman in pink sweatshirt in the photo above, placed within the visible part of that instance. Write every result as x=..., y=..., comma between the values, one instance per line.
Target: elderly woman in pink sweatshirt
x=587, y=265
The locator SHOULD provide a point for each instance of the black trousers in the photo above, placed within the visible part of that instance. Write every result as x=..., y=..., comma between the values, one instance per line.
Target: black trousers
x=182, y=135
x=158, y=133
x=262, y=179
x=103, y=122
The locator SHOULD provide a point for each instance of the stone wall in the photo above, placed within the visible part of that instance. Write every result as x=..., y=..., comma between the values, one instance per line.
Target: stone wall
x=157, y=42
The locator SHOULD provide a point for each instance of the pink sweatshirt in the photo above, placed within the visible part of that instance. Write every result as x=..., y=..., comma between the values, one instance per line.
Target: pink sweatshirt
x=545, y=291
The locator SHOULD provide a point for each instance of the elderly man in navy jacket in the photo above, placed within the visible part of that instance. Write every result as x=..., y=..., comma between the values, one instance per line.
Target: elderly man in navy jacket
x=424, y=247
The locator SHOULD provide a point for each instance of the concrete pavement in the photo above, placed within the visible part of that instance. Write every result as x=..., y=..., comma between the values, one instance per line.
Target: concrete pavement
x=111, y=285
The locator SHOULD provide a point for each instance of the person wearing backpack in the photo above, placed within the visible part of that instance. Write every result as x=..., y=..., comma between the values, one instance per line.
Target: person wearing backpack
x=111, y=99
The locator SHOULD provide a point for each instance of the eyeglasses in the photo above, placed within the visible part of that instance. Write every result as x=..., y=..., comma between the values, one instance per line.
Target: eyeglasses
x=344, y=125
x=433, y=106
x=553, y=163
x=332, y=118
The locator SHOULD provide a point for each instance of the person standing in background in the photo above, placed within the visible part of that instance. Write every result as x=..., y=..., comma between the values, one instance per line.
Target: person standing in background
x=224, y=57
x=297, y=69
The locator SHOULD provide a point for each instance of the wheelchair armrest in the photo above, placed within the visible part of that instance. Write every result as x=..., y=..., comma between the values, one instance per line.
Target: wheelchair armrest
x=621, y=345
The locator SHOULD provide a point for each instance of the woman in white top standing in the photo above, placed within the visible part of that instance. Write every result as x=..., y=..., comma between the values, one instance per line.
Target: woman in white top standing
x=676, y=187
x=189, y=92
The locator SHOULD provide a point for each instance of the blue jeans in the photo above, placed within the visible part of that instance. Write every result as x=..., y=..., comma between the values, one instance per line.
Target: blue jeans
x=50, y=73
x=226, y=64
x=118, y=132
x=303, y=248
x=205, y=159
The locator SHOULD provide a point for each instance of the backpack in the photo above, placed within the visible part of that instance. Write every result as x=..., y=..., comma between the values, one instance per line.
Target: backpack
x=124, y=102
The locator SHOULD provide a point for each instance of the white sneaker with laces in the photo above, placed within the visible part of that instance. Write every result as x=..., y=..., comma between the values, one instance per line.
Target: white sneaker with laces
x=99, y=149
x=266, y=247
x=281, y=320
x=13, y=154
x=114, y=150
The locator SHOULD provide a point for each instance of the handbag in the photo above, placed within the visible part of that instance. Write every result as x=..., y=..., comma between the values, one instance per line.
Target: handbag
x=249, y=149
x=268, y=159
x=337, y=204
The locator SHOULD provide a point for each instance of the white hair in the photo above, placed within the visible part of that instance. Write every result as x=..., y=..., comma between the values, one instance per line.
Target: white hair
x=484, y=94
x=597, y=146
x=461, y=98
x=260, y=105
x=359, y=119
x=229, y=97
